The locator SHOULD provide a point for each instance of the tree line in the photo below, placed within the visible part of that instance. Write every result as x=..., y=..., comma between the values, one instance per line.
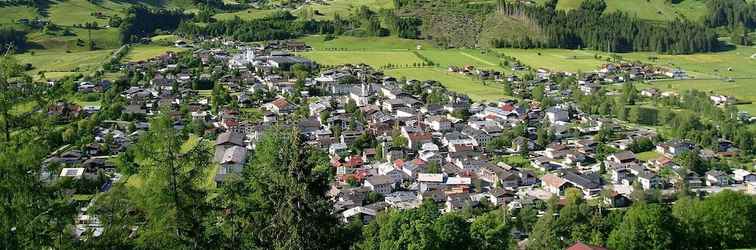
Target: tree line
x=12, y=38
x=142, y=22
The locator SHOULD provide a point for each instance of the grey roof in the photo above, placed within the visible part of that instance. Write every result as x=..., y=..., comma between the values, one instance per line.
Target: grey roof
x=380, y=180
x=230, y=137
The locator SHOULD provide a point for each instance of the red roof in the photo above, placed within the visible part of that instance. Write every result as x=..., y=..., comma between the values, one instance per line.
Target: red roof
x=399, y=163
x=582, y=246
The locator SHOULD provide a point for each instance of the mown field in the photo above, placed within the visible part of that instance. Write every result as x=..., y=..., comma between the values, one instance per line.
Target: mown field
x=658, y=10
x=248, y=14
x=557, y=59
x=454, y=81
x=373, y=58
x=11, y=14
x=64, y=62
x=144, y=52
x=342, y=7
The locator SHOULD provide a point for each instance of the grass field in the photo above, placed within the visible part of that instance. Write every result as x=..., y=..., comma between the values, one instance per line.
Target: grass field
x=453, y=81
x=649, y=9
x=103, y=38
x=364, y=43
x=741, y=60
x=372, y=58
x=70, y=12
x=556, y=59
x=462, y=57
x=62, y=61
x=647, y=156
x=248, y=14
x=741, y=89
x=13, y=13
x=345, y=7
x=144, y=52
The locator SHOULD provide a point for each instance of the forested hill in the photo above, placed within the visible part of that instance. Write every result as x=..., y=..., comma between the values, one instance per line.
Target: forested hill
x=588, y=26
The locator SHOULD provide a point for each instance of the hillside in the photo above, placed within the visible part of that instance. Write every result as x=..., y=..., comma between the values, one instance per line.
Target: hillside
x=657, y=10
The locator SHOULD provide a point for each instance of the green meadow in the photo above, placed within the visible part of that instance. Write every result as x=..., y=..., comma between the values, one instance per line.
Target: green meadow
x=144, y=52
x=556, y=59
x=456, y=82
x=328, y=9
x=658, y=10
x=65, y=62
x=248, y=14
x=373, y=58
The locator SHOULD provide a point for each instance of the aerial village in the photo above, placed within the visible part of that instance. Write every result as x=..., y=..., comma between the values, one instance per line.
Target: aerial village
x=395, y=142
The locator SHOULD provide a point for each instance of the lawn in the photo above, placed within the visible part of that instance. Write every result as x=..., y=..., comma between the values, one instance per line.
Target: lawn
x=647, y=156
x=462, y=57
x=343, y=7
x=11, y=14
x=70, y=12
x=103, y=39
x=454, y=82
x=65, y=62
x=557, y=59
x=372, y=58
x=364, y=43
x=144, y=52
x=248, y=14
x=741, y=61
x=741, y=89
x=657, y=10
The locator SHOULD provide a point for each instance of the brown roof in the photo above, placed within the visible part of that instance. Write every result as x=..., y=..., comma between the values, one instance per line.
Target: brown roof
x=280, y=103
x=553, y=180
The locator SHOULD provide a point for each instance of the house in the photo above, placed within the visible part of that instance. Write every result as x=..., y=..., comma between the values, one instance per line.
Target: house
x=280, y=106
x=615, y=199
x=367, y=212
x=674, y=148
x=75, y=173
x=499, y=177
x=440, y=123
x=555, y=114
x=743, y=176
x=722, y=99
x=717, y=178
x=561, y=180
x=650, y=92
x=499, y=196
x=456, y=202
x=232, y=162
x=583, y=246
x=380, y=183
x=430, y=181
x=621, y=157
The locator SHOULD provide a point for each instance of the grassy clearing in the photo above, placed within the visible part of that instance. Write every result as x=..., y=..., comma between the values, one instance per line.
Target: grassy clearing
x=647, y=156
x=372, y=58
x=344, y=7
x=65, y=62
x=248, y=14
x=70, y=12
x=103, y=38
x=144, y=52
x=556, y=59
x=13, y=13
x=454, y=82
x=657, y=10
